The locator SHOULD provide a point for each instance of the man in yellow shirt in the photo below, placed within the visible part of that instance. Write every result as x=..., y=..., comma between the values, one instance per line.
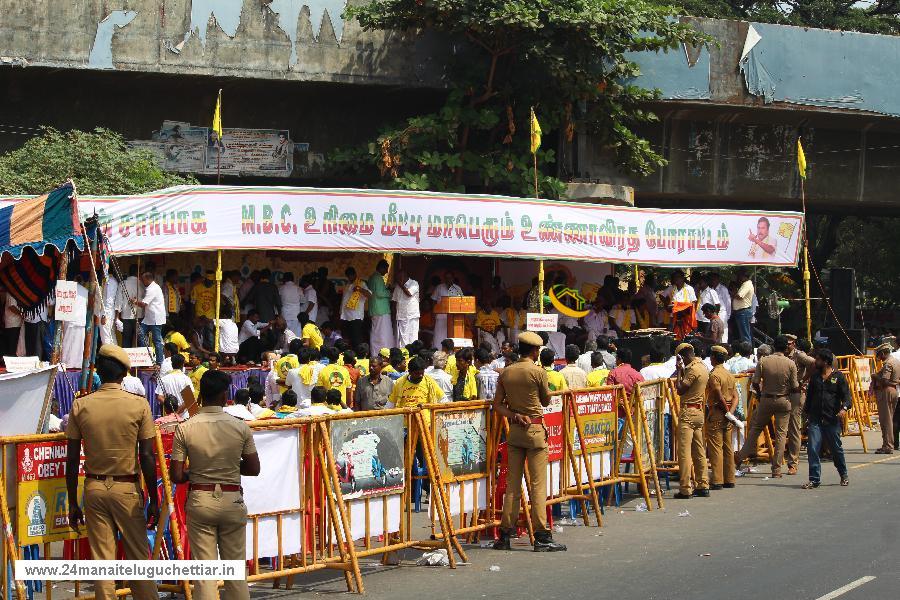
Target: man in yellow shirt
x=415, y=389
x=172, y=335
x=597, y=377
x=334, y=376
x=555, y=379
x=467, y=388
x=487, y=323
x=310, y=332
x=448, y=347
x=287, y=362
x=203, y=298
x=195, y=361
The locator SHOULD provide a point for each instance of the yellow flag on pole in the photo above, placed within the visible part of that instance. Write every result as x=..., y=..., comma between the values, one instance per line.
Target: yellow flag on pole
x=535, y=133
x=217, y=117
x=801, y=159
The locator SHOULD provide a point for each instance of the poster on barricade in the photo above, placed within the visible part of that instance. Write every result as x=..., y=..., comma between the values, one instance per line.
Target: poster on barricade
x=597, y=413
x=42, y=498
x=553, y=421
x=863, y=373
x=461, y=442
x=652, y=399
x=368, y=455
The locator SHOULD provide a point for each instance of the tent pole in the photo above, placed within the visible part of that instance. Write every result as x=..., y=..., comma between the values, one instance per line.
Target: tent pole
x=92, y=319
x=218, y=295
x=57, y=333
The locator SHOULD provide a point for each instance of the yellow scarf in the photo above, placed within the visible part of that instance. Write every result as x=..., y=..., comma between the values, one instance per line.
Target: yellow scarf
x=353, y=300
x=306, y=373
x=172, y=298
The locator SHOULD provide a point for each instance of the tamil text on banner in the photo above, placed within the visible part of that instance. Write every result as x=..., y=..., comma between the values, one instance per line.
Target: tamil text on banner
x=212, y=217
x=66, y=295
x=597, y=413
x=541, y=321
x=863, y=373
x=42, y=499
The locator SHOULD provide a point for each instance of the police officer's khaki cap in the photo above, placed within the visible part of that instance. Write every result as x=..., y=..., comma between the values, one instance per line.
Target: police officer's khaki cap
x=885, y=347
x=530, y=338
x=117, y=354
x=718, y=350
x=683, y=346
x=791, y=337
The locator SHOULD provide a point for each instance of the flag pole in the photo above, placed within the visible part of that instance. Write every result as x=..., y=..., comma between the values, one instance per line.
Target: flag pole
x=217, y=122
x=806, y=265
x=537, y=195
x=218, y=295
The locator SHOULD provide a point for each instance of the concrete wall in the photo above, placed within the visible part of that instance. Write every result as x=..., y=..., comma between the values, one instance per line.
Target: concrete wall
x=305, y=40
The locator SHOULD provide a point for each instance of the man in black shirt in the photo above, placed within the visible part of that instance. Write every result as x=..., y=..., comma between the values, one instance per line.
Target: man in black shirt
x=827, y=401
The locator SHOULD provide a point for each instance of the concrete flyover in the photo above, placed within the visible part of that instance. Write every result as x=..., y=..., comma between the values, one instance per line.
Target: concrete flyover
x=730, y=115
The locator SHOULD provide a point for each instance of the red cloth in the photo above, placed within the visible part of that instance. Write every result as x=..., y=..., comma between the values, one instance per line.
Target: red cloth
x=684, y=319
x=626, y=376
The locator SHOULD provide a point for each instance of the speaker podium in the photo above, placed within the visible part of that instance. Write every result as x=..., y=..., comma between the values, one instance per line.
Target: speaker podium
x=456, y=308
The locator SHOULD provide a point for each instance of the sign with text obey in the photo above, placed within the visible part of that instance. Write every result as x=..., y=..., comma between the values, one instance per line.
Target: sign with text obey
x=66, y=299
x=42, y=497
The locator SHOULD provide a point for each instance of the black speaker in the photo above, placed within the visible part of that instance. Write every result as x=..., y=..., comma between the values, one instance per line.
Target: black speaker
x=843, y=297
x=839, y=344
x=645, y=344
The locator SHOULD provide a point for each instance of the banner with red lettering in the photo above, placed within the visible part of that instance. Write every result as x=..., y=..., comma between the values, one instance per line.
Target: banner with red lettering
x=597, y=413
x=220, y=217
x=43, y=502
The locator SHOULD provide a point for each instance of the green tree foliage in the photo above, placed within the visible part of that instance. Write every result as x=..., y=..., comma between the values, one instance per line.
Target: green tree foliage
x=98, y=161
x=567, y=58
x=869, y=16
x=869, y=246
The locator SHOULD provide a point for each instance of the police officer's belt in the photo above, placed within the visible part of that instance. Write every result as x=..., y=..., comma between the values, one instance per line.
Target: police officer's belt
x=774, y=395
x=536, y=420
x=211, y=487
x=126, y=478
x=693, y=405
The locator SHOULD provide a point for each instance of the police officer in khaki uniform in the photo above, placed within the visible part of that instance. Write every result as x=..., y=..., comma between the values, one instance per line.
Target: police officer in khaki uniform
x=805, y=365
x=886, y=381
x=118, y=432
x=721, y=399
x=522, y=392
x=691, y=377
x=775, y=380
x=220, y=449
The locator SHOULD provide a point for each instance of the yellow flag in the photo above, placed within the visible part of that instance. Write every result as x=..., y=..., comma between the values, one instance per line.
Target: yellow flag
x=801, y=159
x=535, y=133
x=217, y=117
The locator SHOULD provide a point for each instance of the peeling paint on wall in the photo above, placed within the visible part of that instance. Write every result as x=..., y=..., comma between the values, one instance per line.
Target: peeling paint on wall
x=101, y=51
x=834, y=69
x=287, y=13
x=227, y=15
x=681, y=74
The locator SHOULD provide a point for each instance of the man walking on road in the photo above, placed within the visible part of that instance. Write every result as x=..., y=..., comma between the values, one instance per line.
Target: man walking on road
x=827, y=401
x=775, y=379
x=522, y=392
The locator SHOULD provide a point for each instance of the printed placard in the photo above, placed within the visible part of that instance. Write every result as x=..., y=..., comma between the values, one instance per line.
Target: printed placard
x=42, y=497
x=140, y=357
x=369, y=455
x=541, y=322
x=21, y=364
x=66, y=300
x=461, y=441
x=597, y=413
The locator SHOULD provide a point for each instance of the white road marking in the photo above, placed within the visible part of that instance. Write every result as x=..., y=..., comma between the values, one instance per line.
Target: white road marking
x=850, y=586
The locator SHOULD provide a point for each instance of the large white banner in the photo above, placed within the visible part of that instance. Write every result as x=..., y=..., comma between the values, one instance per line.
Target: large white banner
x=218, y=217
x=22, y=401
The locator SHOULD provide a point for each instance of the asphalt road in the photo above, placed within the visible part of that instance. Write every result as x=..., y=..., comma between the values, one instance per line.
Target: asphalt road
x=766, y=539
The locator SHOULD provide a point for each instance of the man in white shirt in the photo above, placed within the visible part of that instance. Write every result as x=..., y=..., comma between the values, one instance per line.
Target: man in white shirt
x=707, y=295
x=228, y=331
x=447, y=288
x=742, y=305
x=715, y=282
x=353, y=307
x=292, y=301
x=126, y=312
x=406, y=300
x=439, y=374
x=657, y=369
x=133, y=385
x=596, y=322
x=177, y=384
x=311, y=297
x=74, y=330
x=743, y=359
x=241, y=407
x=110, y=295
x=154, y=306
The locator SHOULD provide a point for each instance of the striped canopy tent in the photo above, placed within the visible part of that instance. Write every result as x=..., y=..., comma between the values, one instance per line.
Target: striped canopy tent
x=33, y=233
